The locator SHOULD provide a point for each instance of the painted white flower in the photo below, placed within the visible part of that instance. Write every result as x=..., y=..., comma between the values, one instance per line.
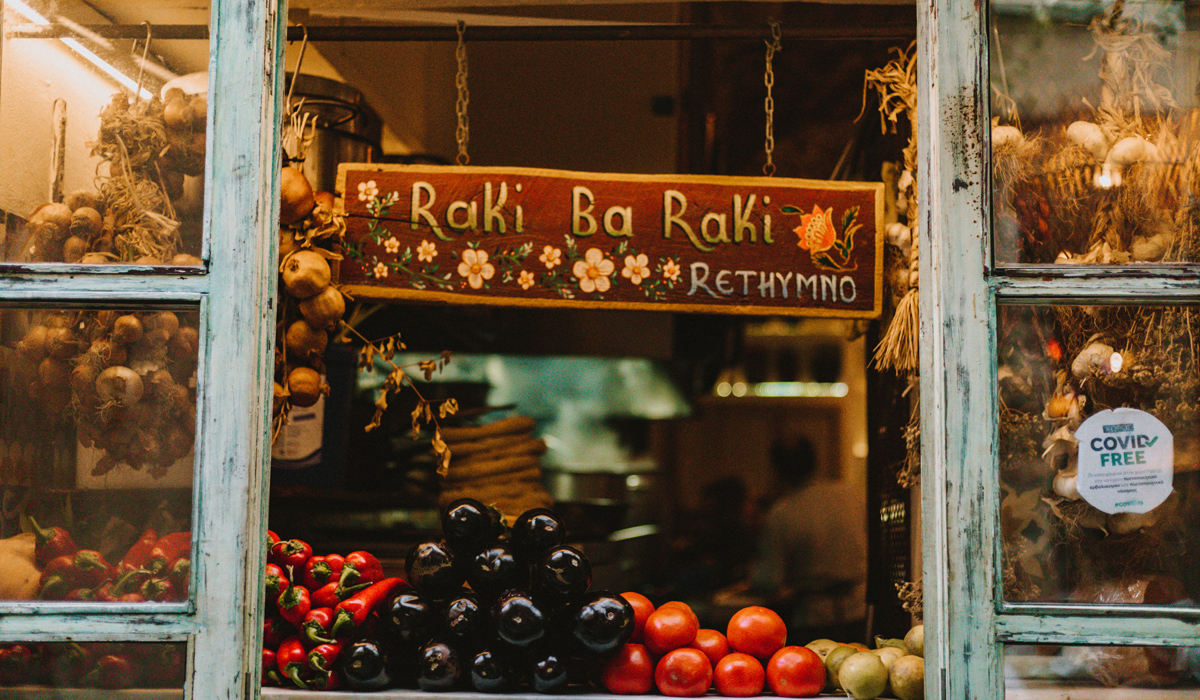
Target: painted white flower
x=426, y=251
x=636, y=268
x=367, y=191
x=392, y=245
x=593, y=271
x=475, y=267
x=550, y=257
x=381, y=270
x=671, y=270
x=526, y=279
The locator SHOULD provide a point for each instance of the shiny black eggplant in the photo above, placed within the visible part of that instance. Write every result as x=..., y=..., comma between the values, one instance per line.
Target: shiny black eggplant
x=601, y=623
x=467, y=625
x=535, y=532
x=433, y=570
x=365, y=665
x=408, y=619
x=518, y=620
x=564, y=573
x=439, y=667
x=492, y=672
x=494, y=570
x=470, y=526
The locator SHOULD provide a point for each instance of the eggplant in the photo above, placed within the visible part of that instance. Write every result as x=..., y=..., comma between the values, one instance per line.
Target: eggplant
x=602, y=623
x=466, y=624
x=491, y=672
x=408, y=619
x=517, y=619
x=535, y=532
x=365, y=665
x=432, y=570
x=564, y=573
x=470, y=526
x=439, y=667
x=549, y=672
x=495, y=570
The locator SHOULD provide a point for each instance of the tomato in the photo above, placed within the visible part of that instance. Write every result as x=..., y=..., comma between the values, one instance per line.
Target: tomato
x=682, y=606
x=642, y=607
x=739, y=675
x=683, y=673
x=796, y=672
x=669, y=628
x=756, y=631
x=712, y=643
x=630, y=672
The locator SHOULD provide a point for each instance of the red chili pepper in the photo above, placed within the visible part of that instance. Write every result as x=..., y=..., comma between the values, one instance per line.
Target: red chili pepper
x=130, y=581
x=326, y=596
x=323, y=657
x=276, y=582
x=51, y=542
x=275, y=630
x=133, y=597
x=292, y=661
x=268, y=661
x=113, y=672
x=139, y=553
x=360, y=567
x=91, y=569
x=105, y=593
x=294, y=604
x=16, y=664
x=327, y=680
x=272, y=538
x=56, y=588
x=168, y=549
x=315, y=628
x=291, y=553
x=62, y=567
x=319, y=571
x=79, y=594
x=272, y=679
x=158, y=590
x=69, y=665
x=351, y=614
x=169, y=664
x=178, y=573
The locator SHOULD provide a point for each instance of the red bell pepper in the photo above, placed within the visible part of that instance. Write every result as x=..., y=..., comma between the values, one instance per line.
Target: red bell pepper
x=268, y=661
x=276, y=582
x=315, y=628
x=139, y=553
x=351, y=615
x=291, y=553
x=323, y=657
x=275, y=630
x=16, y=664
x=158, y=590
x=272, y=538
x=327, y=680
x=360, y=567
x=319, y=571
x=294, y=604
x=112, y=672
x=326, y=596
x=52, y=542
x=168, y=549
x=292, y=661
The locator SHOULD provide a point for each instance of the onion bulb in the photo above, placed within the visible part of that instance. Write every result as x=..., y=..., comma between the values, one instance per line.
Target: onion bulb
x=120, y=384
x=83, y=379
x=199, y=112
x=178, y=115
x=1125, y=523
x=278, y=397
x=164, y=321
x=56, y=214
x=295, y=197
x=105, y=352
x=324, y=199
x=61, y=343
x=86, y=222
x=305, y=387
x=95, y=259
x=33, y=346
x=304, y=342
x=324, y=310
x=127, y=329
x=55, y=374
x=74, y=248
x=306, y=274
x=185, y=260
x=80, y=199
x=1066, y=485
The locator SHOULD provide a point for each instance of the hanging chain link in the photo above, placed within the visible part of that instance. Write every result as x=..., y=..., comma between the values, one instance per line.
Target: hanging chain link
x=773, y=46
x=462, y=133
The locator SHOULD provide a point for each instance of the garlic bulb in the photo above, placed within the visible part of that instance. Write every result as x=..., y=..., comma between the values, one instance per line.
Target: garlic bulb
x=1090, y=137
x=1006, y=136
x=1125, y=523
x=1065, y=485
x=900, y=236
x=1092, y=359
x=1129, y=150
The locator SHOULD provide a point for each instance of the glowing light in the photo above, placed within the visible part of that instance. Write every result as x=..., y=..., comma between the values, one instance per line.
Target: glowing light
x=739, y=389
x=87, y=54
x=724, y=389
x=1115, y=362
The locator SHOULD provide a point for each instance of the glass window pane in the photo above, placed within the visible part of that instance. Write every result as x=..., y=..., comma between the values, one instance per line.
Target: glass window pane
x=96, y=669
x=1094, y=143
x=97, y=427
x=101, y=139
x=1099, y=429
x=1100, y=673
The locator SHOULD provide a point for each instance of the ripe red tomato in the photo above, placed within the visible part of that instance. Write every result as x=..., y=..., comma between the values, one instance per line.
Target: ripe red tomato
x=739, y=675
x=683, y=672
x=796, y=672
x=669, y=628
x=712, y=643
x=682, y=606
x=756, y=631
x=642, y=607
x=630, y=672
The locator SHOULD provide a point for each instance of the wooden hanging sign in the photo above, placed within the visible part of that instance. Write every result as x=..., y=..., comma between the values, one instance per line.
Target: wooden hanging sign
x=525, y=237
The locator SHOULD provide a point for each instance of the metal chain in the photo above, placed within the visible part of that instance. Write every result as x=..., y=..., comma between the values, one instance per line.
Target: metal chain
x=462, y=133
x=773, y=46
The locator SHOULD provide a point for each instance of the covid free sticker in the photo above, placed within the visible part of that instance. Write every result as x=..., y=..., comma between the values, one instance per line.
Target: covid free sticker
x=1126, y=461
